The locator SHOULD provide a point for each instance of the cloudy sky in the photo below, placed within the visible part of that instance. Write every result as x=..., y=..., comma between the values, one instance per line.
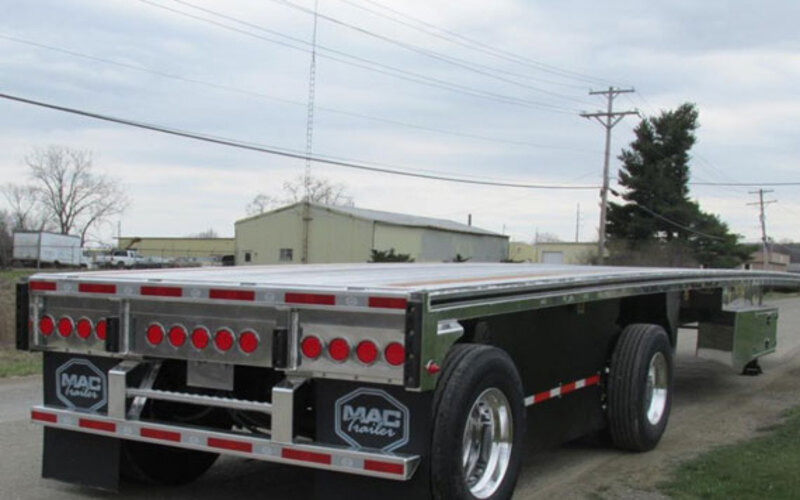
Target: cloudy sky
x=478, y=89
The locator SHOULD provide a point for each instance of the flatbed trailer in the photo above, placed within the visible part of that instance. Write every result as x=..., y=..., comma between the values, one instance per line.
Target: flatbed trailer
x=390, y=380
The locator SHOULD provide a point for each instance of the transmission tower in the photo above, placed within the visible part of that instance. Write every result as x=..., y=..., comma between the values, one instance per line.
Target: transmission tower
x=608, y=119
x=312, y=82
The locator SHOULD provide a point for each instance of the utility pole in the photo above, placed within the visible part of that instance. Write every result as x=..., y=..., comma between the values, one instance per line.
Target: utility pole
x=765, y=254
x=312, y=82
x=608, y=119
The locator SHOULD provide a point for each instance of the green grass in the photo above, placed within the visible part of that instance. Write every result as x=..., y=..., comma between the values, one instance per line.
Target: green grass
x=764, y=467
x=18, y=363
x=13, y=275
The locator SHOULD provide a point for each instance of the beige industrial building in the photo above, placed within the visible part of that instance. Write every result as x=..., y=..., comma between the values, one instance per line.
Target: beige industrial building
x=349, y=234
x=178, y=248
x=558, y=252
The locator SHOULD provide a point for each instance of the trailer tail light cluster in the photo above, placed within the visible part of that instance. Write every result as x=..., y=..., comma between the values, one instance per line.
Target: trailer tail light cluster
x=200, y=338
x=66, y=326
x=340, y=350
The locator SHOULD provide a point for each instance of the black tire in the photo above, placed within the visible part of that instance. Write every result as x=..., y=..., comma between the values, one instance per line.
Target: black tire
x=156, y=464
x=166, y=465
x=631, y=427
x=468, y=372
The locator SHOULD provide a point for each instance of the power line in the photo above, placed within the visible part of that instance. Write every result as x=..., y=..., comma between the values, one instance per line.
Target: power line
x=365, y=63
x=455, y=40
x=676, y=224
x=500, y=53
x=481, y=69
x=746, y=184
x=762, y=217
x=288, y=153
x=251, y=93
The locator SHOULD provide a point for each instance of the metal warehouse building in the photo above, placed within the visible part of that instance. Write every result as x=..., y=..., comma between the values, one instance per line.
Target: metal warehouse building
x=188, y=247
x=316, y=233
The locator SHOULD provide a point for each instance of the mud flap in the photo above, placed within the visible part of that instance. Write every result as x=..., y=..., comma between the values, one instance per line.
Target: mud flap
x=79, y=458
x=365, y=416
x=79, y=383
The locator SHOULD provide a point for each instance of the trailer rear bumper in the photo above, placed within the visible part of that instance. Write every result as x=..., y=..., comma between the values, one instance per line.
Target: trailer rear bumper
x=378, y=464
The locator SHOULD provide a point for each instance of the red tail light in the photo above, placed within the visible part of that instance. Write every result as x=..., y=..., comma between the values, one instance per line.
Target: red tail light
x=155, y=334
x=47, y=325
x=65, y=326
x=248, y=341
x=200, y=338
x=101, y=329
x=223, y=340
x=311, y=347
x=395, y=354
x=177, y=336
x=339, y=349
x=84, y=328
x=367, y=352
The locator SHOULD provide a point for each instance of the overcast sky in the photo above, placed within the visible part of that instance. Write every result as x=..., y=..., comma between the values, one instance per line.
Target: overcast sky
x=515, y=119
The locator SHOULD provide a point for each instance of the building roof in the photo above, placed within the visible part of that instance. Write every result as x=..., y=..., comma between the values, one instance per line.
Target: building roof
x=391, y=218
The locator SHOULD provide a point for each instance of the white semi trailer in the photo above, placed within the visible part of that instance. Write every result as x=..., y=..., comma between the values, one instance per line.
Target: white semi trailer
x=45, y=249
x=390, y=380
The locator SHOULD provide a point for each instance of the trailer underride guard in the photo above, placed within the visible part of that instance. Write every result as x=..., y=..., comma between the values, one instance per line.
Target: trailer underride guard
x=390, y=380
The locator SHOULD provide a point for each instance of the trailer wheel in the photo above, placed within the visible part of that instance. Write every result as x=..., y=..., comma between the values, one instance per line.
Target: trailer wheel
x=640, y=387
x=157, y=464
x=479, y=411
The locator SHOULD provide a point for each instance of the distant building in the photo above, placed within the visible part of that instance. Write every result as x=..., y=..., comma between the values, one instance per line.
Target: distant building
x=776, y=261
x=190, y=249
x=348, y=234
x=558, y=252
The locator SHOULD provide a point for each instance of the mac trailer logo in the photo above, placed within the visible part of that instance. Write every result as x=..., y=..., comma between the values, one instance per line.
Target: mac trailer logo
x=81, y=385
x=371, y=418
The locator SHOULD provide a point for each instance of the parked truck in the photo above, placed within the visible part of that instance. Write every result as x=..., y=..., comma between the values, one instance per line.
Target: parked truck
x=130, y=259
x=389, y=380
x=45, y=249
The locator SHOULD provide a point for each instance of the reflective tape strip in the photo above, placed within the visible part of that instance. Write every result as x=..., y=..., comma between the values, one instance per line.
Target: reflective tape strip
x=97, y=288
x=562, y=389
x=42, y=286
x=389, y=466
x=225, y=294
x=161, y=291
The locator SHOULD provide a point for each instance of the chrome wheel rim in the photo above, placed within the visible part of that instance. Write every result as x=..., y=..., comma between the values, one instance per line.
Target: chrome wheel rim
x=487, y=441
x=657, y=388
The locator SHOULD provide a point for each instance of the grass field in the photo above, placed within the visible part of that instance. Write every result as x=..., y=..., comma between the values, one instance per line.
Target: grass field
x=16, y=364
x=765, y=467
x=8, y=278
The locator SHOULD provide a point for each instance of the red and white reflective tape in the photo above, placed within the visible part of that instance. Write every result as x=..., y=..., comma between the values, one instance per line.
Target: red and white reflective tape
x=260, y=295
x=562, y=389
x=389, y=466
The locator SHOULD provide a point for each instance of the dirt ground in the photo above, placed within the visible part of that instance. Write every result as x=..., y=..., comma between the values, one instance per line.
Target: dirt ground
x=712, y=406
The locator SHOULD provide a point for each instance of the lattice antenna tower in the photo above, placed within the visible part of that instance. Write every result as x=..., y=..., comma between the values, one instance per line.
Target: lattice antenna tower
x=312, y=81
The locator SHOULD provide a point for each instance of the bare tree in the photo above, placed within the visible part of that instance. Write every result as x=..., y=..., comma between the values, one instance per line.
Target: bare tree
x=24, y=211
x=70, y=194
x=319, y=190
x=546, y=238
x=208, y=233
x=261, y=203
x=5, y=239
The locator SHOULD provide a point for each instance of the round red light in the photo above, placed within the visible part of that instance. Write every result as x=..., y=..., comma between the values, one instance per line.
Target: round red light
x=223, y=340
x=248, y=341
x=177, y=336
x=339, y=349
x=311, y=347
x=101, y=329
x=84, y=328
x=65, y=326
x=395, y=354
x=155, y=334
x=200, y=338
x=47, y=325
x=367, y=352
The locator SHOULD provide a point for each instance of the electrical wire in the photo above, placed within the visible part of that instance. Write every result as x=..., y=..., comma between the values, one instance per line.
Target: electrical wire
x=456, y=41
x=371, y=65
x=288, y=153
x=478, y=68
x=327, y=109
x=499, y=53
